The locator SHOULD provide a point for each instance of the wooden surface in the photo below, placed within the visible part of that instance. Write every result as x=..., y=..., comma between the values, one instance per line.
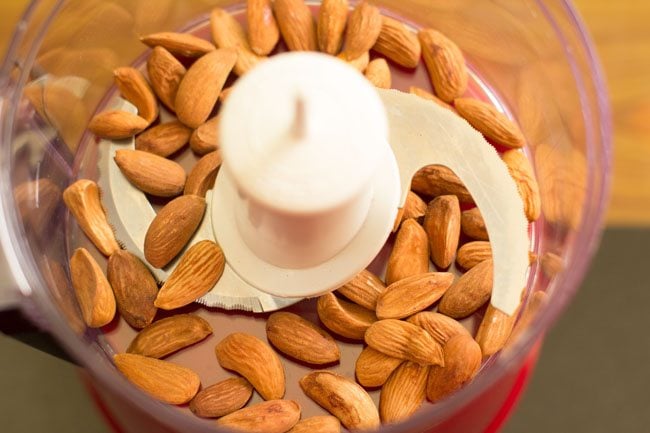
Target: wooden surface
x=621, y=30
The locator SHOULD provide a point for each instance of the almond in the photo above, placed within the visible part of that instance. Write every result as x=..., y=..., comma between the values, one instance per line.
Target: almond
x=404, y=340
x=93, y=292
x=343, y=398
x=536, y=302
x=332, y=17
x=169, y=335
x=172, y=229
x=275, y=416
x=414, y=208
x=378, y=73
x=201, y=86
x=522, y=172
x=182, y=44
x=225, y=93
x=116, y=125
x=205, y=138
x=418, y=91
x=134, y=287
x=255, y=360
x=296, y=25
x=135, y=89
x=83, y=200
x=435, y=180
x=473, y=226
x=344, y=318
x=363, y=30
x=551, y=263
x=162, y=380
x=469, y=293
x=373, y=368
x=151, y=173
x=195, y=275
x=410, y=254
x=493, y=124
x=202, y=177
x=494, y=331
x=228, y=33
x=473, y=253
x=442, y=224
x=445, y=63
x=301, y=339
x=398, y=43
x=164, y=139
x=263, y=31
x=462, y=362
x=398, y=219
x=363, y=289
x=222, y=398
x=439, y=326
x=404, y=392
x=360, y=63
x=413, y=294
x=317, y=424
x=165, y=73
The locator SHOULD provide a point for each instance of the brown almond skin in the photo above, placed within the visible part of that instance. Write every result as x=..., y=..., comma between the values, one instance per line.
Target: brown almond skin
x=473, y=226
x=317, y=424
x=405, y=341
x=169, y=335
x=398, y=43
x=413, y=294
x=469, y=293
x=494, y=331
x=473, y=253
x=462, y=362
x=364, y=26
x=301, y=339
x=182, y=44
x=165, y=73
x=151, y=173
x=522, y=172
x=364, y=289
x=134, y=287
x=378, y=73
x=414, y=207
x=490, y=122
x=255, y=360
x=164, y=139
x=172, y=228
x=116, y=124
x=202, y=177
x=410, y=254
x=296, y=25
x=93, y=292
x=276, y=416
x=227, y=32
x=360, y=63
x=436, y=180
x=222, y=398
x=442, y=224
x=344, y=318
x=332, y=18
x=373, y=368
x=439, y=326
x=205, y=138
x=135, y=89
x=263, y=31
x=445, y=63
x=418, y=91
x=404, y=392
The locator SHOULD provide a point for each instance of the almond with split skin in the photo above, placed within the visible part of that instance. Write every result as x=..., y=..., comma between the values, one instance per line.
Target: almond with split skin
x=200, y=88
x=344, y=318
x=473, y=253
x=445, y=63
x=332, y=18
x=363, y=289
x=164, y=139
x=263, y=31
x=404, y=392
x=151, y=173
x=181, y=44
x=301, y=339
x=378, y=73
x=363, y=30
x=442, y=224
x=134, y=287
x=172, y=228
x=418, y=91
x=469, y=293
x=164, y=381
x=373, y=368
x=473, y=226
x=195, y=275
x=255, y=360
x=165, y=73
x=296, y=25
x=222, y=398
x=205, y=138
x=439, y=326
x=413, y=294
x=410, y=254
x=275, y=416
x=360, y=63
x=398, y=43
x=116, y=124
x=202, y=177
x=490, y=122
x=82, y=198
x=135, y=89
x=522, y=172
x=228, y=33
x=462, y=362
x=93, y=292
x=494, y=331
x=170, y=335
x=435, y=180
x=317, y=424
x=343, y=398
x=405, y=341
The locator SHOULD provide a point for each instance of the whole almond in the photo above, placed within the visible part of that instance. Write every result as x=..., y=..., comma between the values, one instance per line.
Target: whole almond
x=373, y=368
x=162, y=380
x=228, y=33
x=522, y=172
x=364, y=25
x=165, y=73
x=360, y=63
x=317, y=424
x=494, y=330
x=462, y=362
x=445, y=63
x=222, y=398
x=169, y=335
x=275, y=416
x=378, y=73
x=404, y=392
x=296, y=25
x=414, y=208
x=116, y=124
x=490, y=122
x=205, y=138
x=404, y=340
x=201, y=86
x=195, y=275
x=398, y=43
x=202, y=177
x=363, y=289
x=301, y=339
x=442, y=224
x=93, y=292
x=263, y=31
x=172, y=228
x=410, y=254
x=469, y=293
x=435, y=180
x=164, y=139
x=134, y=287
x=344, y=318
x=439, y=326
x=83, y=200
x=418, y=91
x=413, y=294
x=473, y=253
x=343, y=398
x=182, y=44
x=151, y=173
x=332, y=17
x=473, y=226
x=255, y=360
x=135, y=89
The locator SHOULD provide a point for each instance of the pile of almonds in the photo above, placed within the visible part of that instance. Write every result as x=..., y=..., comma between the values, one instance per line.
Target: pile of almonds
x=412, y=352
